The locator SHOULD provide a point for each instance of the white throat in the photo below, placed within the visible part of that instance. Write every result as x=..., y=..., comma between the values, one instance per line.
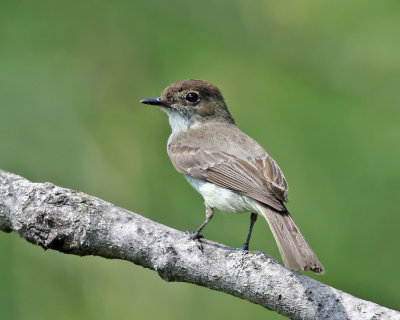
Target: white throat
x=177, y=121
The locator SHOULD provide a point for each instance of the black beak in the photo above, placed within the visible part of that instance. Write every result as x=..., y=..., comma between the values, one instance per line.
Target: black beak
x=156, y=102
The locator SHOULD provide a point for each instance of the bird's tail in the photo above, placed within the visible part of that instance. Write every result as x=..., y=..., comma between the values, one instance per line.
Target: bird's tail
x=294, y=249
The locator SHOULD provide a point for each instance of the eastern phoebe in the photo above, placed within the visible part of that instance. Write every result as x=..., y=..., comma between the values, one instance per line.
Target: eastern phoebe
x=229, y=169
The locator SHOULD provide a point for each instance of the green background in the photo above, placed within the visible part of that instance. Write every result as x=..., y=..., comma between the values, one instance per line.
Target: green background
x=316, y=83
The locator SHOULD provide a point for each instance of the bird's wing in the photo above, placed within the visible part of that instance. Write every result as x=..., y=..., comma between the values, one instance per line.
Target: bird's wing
x=260, y=179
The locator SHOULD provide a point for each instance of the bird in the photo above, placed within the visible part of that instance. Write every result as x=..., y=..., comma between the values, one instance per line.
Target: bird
x=231, y=171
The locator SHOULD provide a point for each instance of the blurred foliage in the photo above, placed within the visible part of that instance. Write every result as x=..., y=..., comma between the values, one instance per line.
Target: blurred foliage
x=316, y=83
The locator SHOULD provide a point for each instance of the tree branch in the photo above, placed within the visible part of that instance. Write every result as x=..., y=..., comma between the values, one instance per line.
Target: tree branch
x=75, y=223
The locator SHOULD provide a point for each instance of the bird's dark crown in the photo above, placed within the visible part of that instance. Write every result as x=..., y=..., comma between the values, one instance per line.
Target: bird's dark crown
x=204, y=89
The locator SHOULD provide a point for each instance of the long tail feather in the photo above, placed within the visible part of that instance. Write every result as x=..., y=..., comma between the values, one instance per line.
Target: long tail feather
x=295, y=251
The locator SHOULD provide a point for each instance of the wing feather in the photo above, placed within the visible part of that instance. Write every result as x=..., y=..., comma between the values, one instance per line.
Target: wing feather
x=260, y=179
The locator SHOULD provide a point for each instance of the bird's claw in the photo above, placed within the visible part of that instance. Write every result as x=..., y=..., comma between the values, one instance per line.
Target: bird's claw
x=194, y=235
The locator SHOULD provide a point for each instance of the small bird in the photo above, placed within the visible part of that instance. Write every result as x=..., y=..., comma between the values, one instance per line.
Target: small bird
x=229, y=169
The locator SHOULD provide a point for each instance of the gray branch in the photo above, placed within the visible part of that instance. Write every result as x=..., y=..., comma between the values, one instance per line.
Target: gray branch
x=76, y=223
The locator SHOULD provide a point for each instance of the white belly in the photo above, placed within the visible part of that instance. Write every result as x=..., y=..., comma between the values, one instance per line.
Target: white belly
x=221, y=198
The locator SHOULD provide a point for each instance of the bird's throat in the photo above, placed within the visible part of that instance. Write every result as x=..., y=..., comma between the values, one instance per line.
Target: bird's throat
x=178, y=122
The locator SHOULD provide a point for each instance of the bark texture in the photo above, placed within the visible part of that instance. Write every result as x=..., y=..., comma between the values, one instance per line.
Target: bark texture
x=76, y=223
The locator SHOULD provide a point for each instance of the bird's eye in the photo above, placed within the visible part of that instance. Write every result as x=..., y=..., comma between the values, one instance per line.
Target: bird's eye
x=192, y=97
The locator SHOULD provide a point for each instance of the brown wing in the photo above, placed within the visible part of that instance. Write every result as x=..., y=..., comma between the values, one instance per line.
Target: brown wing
x=260, y=179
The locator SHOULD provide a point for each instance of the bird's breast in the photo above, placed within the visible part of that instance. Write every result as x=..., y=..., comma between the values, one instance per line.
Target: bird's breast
x=222, y=198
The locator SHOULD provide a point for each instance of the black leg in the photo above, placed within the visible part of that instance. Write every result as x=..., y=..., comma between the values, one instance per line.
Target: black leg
x=209, y=214
x=253, y=218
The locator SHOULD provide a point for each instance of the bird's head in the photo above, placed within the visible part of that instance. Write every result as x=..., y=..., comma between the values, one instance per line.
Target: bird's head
x=192, y=100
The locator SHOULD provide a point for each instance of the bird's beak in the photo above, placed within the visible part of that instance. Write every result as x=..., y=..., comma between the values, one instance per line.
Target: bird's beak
x=156, y=102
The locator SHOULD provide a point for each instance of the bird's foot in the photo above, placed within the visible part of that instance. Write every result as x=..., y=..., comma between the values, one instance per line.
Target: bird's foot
x=245, y=246
x=194, y=235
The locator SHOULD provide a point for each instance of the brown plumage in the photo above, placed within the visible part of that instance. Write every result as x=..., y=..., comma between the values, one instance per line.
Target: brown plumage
x=259, y=178
x=207, y=146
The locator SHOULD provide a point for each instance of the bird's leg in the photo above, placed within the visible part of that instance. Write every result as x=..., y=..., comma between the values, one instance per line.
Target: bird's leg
x=209, y=215
x=253, y=218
